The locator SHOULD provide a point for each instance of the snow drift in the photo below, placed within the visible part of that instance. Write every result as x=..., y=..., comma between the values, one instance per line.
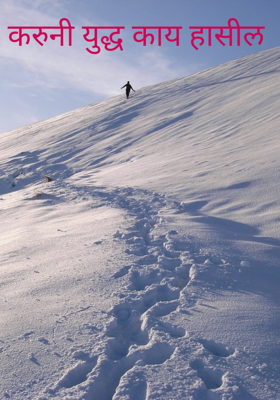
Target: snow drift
x=148, y=266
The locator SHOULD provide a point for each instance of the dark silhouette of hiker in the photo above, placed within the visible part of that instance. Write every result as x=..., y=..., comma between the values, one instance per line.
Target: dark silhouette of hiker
x=127, y=90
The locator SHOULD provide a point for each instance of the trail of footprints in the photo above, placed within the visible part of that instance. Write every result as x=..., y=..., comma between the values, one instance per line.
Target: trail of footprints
x=136, y=335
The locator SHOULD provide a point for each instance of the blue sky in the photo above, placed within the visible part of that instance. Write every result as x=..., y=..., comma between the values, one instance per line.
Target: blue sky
x=41, y=82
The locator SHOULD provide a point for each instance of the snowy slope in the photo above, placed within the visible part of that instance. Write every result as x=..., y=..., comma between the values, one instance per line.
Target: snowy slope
x=148, y=268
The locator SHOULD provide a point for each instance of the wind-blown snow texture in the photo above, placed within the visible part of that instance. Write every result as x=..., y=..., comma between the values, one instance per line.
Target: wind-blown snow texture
x=148, y=267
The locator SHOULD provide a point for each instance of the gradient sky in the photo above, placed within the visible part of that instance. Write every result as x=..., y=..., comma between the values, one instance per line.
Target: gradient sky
x=41, y=82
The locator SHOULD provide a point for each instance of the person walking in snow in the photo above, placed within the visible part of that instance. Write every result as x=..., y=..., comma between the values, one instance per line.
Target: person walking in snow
x=127, y=90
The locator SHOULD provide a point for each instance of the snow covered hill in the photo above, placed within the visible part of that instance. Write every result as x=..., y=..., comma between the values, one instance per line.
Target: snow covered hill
x=147, y=266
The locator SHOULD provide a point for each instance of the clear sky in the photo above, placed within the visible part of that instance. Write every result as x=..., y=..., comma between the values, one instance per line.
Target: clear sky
x=38, y=82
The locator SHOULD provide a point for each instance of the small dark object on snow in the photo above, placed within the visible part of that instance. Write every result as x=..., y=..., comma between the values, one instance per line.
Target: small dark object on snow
x=48, y=178
x=127, y=90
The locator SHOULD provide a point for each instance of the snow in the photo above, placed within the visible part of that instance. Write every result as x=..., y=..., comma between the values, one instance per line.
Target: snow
x=148, y=267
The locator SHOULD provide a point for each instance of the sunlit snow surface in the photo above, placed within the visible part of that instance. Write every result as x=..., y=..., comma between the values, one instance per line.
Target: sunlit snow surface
x=148, y=267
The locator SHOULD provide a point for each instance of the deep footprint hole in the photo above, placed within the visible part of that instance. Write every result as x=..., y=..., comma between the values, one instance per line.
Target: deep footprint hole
x=158, y=353
x=78, y=374
x=211, y=377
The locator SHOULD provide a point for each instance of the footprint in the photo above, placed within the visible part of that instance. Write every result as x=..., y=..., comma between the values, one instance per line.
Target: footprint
x=217, y=349
x=182, y=275
x=133, y=385
x=172, y=330
x=137, y=250
x=78, y=373
x=152, y=322
x=149, y=259
x=169, y=250
x=169, y=263
x=126, y=328
x=117, y=349
x=211, y=377
x=158, y=353
x=122, y=272
x=146, y=278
